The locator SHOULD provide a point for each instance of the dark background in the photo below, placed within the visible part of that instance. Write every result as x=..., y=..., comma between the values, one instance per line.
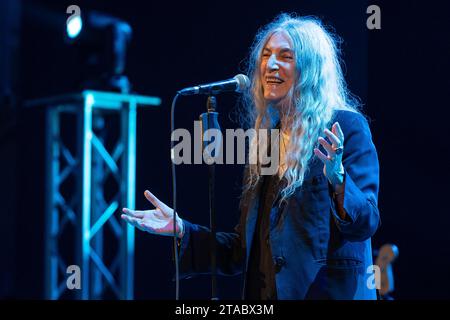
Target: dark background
x=401, y=74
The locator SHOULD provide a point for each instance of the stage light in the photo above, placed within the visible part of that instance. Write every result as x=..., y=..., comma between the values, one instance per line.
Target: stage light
x=74, y=27
x=101, y=41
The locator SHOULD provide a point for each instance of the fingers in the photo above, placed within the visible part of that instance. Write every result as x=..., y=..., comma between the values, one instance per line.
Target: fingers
x=154, y=200
x=333, y=138
x=336, y=129
x=163, y=208
x=336, y=137
x=320, y=155
x=133, y=213
x=131, y=220
x=138, y=223
x=326, y=145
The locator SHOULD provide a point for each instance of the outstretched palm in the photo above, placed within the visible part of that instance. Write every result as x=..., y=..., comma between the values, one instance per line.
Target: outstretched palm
x=158, y=221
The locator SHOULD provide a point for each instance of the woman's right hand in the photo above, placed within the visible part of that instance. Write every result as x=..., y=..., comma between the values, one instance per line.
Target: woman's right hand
x=158, y=221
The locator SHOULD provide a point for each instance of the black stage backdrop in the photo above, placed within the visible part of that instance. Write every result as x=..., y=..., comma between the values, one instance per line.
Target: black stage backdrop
x=400, y=73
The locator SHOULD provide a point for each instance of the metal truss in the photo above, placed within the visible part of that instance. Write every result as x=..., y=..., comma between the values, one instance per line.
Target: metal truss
x=76, y=205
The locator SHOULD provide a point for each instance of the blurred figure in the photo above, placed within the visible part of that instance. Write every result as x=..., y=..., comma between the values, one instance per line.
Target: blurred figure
x=385, y=257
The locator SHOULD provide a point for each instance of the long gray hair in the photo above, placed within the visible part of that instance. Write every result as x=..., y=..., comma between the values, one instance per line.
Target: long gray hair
x=309, y=106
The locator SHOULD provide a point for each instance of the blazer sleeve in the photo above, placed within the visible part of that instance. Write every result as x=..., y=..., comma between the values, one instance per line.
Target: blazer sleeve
x=361, y=168
x=195, y=251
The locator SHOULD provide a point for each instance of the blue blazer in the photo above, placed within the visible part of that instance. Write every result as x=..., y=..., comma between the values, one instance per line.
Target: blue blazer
x=317, y=254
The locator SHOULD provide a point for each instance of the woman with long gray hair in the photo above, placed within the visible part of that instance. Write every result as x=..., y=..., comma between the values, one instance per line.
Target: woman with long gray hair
x=305, y=231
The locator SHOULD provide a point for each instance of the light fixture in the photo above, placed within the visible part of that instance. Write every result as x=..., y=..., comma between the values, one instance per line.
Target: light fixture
x=101, y=41
x=74, y=26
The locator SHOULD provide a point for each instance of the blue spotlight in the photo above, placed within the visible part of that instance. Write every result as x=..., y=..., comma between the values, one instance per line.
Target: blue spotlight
x=74, y=26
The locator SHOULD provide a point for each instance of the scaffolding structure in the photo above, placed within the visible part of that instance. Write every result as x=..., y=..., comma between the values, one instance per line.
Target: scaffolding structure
x=85, y=212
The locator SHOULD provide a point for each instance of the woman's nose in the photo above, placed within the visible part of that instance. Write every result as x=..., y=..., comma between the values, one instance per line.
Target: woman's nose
x=272, y=64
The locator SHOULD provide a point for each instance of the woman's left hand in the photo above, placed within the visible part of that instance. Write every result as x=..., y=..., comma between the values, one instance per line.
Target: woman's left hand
x=333, y=168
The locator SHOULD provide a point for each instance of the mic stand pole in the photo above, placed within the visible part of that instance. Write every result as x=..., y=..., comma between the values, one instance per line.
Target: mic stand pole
x=209, y=120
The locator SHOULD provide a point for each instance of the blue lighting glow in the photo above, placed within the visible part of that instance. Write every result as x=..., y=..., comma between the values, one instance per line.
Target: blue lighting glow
x=74, y=26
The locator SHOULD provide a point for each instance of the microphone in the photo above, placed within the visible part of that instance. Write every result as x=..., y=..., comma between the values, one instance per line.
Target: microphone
x=238, y=83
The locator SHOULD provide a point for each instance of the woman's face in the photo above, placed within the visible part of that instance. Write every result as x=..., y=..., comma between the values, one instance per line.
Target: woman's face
x=277, y=68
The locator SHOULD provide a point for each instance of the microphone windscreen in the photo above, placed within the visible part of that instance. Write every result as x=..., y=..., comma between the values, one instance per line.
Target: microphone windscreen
x=243, y=82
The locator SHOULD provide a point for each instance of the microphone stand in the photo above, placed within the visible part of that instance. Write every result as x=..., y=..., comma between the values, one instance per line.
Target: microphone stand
x=209, y=120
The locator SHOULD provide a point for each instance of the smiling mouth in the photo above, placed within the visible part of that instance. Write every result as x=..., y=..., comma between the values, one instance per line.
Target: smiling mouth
x=274, y=80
